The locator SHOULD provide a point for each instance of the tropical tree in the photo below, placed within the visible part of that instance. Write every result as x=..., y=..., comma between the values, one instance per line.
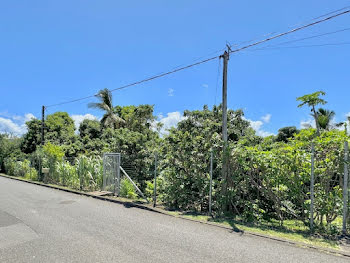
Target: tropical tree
x=90, y=128
x=9, y=147
x=324, y=118
x=59, y=128
x=33, y=136
x=345, y=124
x=110, y=118
x=312, y=100
x=285, y=133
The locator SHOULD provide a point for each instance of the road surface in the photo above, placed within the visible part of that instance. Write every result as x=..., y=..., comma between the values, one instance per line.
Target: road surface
x=38, y=224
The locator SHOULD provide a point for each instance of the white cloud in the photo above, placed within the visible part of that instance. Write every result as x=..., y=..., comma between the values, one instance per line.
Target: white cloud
x=28, y=117
x=266, y=118
x=170, y=92
x=171, y=120
x=6, y=114
x=14, y=124
x=257, y=126
x=8, y=126
x=307, y=124
x=205, y=85
x=79, y=119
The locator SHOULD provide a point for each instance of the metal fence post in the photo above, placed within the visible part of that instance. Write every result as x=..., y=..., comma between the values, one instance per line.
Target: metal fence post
x=312, y=186
x=155, y=182
x=117, y=182
x=104, y=172
x=345, y=186
x=40, y=172
x=211, y=181
x=81, y=181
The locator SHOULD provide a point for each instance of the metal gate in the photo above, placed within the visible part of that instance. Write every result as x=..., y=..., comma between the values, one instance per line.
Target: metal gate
x=111, y=173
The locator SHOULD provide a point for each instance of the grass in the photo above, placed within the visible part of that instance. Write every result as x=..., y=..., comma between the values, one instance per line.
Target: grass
x=291, y=230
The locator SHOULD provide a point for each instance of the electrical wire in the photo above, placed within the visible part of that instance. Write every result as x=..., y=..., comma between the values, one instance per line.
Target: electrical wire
x=316, y=45
x=141, y=81
x=311, y=37
x=335, y=11
x=295, y=25
x=215, y=57
x=290, y=31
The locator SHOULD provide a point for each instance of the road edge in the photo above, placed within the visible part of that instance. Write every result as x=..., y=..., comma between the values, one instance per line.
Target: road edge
x=161, y=211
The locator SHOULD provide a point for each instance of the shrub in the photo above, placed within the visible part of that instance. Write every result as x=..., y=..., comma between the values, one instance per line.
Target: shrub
x=149, y=191
x=20, y=168
x=9, y=164
x=53, y=153
x=127, y=189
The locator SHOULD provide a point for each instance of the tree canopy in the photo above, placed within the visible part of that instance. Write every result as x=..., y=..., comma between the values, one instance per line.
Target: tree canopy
x=268, y=178
x=110, y=117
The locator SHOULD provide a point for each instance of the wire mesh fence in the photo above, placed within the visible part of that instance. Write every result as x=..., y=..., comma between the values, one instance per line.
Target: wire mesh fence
x=111, y=173
x=268, y=187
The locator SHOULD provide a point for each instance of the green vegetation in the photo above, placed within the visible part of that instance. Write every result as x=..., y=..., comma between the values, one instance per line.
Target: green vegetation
x=127, y=189
x=293, y=230
x=268, y=182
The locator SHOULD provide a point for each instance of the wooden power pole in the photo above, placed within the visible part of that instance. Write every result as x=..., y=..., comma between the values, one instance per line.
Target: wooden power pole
x=42, y=124
x=225, y=57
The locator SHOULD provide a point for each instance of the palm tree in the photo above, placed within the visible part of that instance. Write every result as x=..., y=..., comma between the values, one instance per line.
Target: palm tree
x=324, y=118
x=110, y=118
x=312, y=100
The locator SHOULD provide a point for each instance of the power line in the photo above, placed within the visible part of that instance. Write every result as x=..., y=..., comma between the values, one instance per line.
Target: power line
x=141, y=81
x=215, y=57
x=335, y=11
x=290, y=31
x=198, y=58
x=303, y=46
x=311, y=37
x=295, y=25
x=165, y=74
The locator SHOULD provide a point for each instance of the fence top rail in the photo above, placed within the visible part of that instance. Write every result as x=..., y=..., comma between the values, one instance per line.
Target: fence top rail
x=111, y=154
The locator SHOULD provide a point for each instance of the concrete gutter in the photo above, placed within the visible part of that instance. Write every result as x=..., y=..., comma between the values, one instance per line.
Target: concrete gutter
x=161, y=211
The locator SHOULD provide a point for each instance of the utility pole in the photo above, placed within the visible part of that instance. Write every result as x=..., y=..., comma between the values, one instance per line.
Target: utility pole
x=226, y=57
x=42, y=124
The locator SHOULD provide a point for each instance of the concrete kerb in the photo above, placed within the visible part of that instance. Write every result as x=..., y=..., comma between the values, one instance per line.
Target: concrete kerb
x=161, y=211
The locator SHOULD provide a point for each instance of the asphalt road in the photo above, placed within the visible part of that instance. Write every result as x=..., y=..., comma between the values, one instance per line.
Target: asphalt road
x=39, y=224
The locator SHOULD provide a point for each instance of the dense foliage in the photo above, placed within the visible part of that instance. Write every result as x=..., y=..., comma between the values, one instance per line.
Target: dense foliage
x=267, y=178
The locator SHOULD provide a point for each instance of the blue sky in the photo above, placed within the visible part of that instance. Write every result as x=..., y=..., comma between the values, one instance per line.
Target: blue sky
x=52, y=51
